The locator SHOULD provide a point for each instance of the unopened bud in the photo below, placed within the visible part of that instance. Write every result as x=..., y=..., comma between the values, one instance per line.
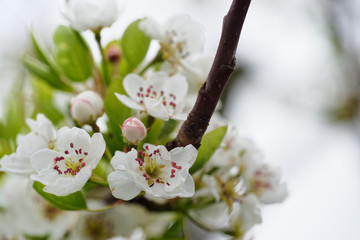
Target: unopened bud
x=113, y=53
x=87, y=107
x=134, y=131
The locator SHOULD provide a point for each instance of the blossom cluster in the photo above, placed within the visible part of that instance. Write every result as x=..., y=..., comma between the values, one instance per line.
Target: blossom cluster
x=107, y=147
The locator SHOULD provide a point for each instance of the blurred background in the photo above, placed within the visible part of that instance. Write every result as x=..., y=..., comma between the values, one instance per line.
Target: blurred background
x=295, y=93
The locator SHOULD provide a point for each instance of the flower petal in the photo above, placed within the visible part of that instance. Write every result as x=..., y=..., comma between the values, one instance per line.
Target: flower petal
x=157, y=80
x=118, y=161
x=77, y=136
x=96, y=150
x=129, y=102
x=185, y=156
x=151, y=28
x=121, y=186
x=14, y=164
x=176, y=85
x=156, y=109
x=43, y=158
x=132, y=84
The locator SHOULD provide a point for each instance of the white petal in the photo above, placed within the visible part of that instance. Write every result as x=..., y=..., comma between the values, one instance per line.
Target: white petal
x=185, y=156
x=132, y=84
x=77, y=136
x=176, y=85
x=46, y=177
x=187, y=189
x=31, y=143
x=129, y=102
x=96, y=150
x=157, y=80
x=13, y=164
x=43, y=158
x=121, y=186
x=151, y=28
x=119, y=160
x=156, y=109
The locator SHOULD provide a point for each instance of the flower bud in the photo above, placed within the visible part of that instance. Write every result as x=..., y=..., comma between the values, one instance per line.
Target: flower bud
x=87, y=107
x=113, y=53
x=134, y=131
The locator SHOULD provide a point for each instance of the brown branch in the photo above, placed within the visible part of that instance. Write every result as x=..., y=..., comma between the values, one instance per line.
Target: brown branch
x=196, y=124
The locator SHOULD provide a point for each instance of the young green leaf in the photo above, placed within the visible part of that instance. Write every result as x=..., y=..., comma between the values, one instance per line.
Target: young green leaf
x=176, y=231
x=74, y=201
x=154, y=132
x=72, y=55
x=44, y=72
x=209, y=143
x=43, y=99
x=135, y=44
x=167, y=128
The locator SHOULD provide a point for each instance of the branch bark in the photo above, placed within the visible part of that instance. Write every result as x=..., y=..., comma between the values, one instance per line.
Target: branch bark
x=194, y=127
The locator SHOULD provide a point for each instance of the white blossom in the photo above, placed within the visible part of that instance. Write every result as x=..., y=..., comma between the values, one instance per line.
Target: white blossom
x=265, y=181
x=42, y=135
x=67, y=168
x=245, y=215
x=24, y=212
x=156, y=171
x=86, y=107
x=91, y=14
x=180, y=37
x=159, y=96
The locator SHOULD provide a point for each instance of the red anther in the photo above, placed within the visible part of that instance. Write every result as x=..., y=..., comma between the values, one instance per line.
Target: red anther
x=141, y=89
x=83, y=164
x=85, y=153
x=147, y=147
x=76, y=151
x=71, y=145
x=66, y=152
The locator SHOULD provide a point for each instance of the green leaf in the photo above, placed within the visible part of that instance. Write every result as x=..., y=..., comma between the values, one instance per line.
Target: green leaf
x=72, y=55
x=154, y=132
x=43, y=97
x=176, y=231
x=44, y=72
x=40, y=51
x=115, y=110
x=167, y=128
x=74, y=201
x=209, y=143
x=135, y=44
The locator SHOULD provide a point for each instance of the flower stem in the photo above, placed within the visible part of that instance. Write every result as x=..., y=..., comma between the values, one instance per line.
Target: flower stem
x=98, y=180
x=95, y=127
x=104, y=66
x=108, y=153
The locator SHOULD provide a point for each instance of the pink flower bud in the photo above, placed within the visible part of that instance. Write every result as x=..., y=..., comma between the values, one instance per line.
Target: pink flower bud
x=134, y=131
x=87, y=107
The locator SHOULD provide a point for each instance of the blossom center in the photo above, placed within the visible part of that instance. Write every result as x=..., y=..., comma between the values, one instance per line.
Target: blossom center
x=167, y=99
x=71, y=161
